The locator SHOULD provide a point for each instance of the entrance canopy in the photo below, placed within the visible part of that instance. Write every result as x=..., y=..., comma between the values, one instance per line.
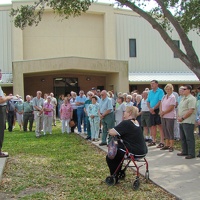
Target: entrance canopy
x=114, y=72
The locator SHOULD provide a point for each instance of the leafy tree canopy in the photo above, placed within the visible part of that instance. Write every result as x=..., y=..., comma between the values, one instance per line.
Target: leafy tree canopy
x=186, y=12
x=29, y=15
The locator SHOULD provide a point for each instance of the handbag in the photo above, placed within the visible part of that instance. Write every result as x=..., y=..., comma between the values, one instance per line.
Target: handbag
x=71, y=123
x=112, y=149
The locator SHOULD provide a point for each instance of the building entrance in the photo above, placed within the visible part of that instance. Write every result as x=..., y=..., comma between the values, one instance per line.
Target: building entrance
x=65, y=86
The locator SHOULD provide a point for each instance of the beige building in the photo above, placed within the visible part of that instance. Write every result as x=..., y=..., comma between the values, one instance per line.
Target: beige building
x=106, y=48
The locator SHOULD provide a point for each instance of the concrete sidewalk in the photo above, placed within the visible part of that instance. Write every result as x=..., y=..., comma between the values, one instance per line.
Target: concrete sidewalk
x=175, y=174
x=2, y=165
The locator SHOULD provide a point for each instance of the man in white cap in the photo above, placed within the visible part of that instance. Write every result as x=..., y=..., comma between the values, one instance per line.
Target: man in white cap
x=3, y=100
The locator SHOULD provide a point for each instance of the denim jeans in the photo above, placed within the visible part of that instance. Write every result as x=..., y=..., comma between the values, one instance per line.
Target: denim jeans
x=81, y=116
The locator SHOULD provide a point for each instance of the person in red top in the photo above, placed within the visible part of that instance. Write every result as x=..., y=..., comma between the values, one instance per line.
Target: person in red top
x=66, y=114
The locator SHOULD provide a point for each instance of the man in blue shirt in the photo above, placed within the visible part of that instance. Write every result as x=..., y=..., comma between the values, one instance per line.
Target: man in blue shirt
x=153, y=102
x=106, y=115
x=80, y=101
x=10, y=113
x=86, y=105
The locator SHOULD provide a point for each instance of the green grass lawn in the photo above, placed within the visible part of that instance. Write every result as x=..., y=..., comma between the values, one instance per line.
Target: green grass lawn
x=63, y=166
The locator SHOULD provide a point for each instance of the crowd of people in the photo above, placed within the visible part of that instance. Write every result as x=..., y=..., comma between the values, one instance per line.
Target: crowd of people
x=95, y=113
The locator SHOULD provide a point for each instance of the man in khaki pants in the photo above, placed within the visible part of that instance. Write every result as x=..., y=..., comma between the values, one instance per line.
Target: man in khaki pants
x=54, y=103
x=186, y=119
x=38, y=102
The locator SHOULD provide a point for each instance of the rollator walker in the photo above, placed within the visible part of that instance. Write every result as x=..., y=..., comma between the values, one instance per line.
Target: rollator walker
x=137, y=160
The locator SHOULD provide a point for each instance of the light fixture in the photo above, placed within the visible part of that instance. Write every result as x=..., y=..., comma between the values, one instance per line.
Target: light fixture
x=88, y=78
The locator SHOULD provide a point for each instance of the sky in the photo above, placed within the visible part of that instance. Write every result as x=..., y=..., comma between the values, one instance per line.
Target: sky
x=5, y=1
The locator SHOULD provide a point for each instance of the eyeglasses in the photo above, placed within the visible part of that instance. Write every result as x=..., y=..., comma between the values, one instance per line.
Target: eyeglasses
x=185, y=89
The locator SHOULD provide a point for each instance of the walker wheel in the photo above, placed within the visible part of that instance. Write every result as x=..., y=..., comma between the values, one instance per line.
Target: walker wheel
x=136, y=184
x=110, y=180
x=147, y=176
x=122, y=175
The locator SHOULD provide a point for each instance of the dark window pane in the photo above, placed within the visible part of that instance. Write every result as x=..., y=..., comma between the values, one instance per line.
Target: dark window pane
x=132, y=47
x=177, y=43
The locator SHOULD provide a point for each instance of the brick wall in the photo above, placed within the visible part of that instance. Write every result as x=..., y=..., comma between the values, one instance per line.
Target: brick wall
x=46, y=83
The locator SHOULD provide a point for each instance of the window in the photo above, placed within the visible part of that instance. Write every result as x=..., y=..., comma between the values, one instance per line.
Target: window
x=177, y=43
x=132, y=48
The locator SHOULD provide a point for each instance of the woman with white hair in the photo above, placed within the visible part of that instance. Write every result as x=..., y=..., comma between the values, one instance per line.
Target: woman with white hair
x=137, y=103
x=129, y=100
x=48, y=115
x=119, y=111
x=130, y=132
x=19, y=113
x=168, y=116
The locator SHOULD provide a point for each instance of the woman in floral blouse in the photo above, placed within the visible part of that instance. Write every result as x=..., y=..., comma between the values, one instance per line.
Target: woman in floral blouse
x=94, y=118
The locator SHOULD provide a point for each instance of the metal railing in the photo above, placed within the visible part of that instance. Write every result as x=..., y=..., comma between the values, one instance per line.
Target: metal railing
x=6, y=78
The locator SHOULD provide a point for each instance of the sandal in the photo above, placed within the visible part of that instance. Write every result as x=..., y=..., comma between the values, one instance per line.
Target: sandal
x=3, y=155
x=165, y=148
x=171, y=149
x=151, y=144
x=161, y=145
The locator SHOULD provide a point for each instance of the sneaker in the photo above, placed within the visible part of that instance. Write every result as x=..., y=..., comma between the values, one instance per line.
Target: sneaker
x=146, y=139
x=3, y=155
x=150, y=141
x=177, y=139
x=102, y=144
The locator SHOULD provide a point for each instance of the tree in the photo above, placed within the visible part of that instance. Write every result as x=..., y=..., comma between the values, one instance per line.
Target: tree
x=179, y=15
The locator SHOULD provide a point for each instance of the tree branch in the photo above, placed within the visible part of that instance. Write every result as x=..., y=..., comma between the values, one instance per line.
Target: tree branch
x=191, y=54
x=162, y=32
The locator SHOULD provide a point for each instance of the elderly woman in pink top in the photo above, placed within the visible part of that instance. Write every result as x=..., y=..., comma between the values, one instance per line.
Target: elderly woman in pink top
x=66, y=114
x=168, y=115
x=48, y=116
